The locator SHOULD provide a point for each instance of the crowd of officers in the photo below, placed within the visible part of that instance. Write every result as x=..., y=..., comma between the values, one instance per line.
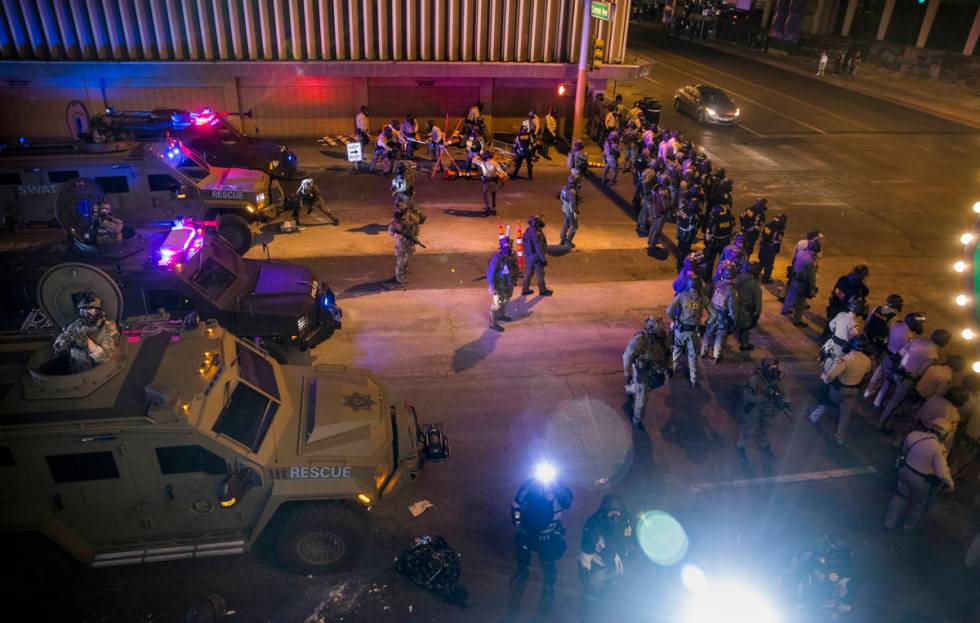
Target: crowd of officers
x=875, y=351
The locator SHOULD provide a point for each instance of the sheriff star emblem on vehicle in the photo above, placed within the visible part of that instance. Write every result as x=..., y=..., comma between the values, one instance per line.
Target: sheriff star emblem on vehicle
x=358, y=402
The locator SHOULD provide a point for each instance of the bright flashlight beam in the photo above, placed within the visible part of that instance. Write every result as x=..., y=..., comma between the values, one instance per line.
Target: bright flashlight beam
x=731, y=603
x=545, y=472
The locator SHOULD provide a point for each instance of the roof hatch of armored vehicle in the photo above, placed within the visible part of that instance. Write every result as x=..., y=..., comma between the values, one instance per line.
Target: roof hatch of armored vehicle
x=58, y=293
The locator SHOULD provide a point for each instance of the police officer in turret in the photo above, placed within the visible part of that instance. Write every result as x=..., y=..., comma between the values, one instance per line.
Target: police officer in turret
x=91, y=339
x=646, y=364
x=536, y=514
x=524, y=149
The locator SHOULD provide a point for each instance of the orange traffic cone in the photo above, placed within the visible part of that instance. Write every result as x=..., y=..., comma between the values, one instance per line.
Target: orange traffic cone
x=519, y=249
x=500, y=231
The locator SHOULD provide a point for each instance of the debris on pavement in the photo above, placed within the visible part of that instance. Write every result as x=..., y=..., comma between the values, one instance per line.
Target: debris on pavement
x=420, y=507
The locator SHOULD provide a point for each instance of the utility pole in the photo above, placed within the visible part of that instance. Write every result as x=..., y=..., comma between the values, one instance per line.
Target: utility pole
x=578, y=120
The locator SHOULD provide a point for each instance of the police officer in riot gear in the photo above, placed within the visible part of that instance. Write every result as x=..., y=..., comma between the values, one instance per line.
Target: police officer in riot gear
x=646, y=364
x=577, y=159
x=571, y=199
x=687, y=225
x=524, y=150
x=721, y=226
x=536, y=514
x=403, y=184
x=308, y=195
x=771, y=243
x=764, y=397
x=751, y=222
x=876, y=325
x=686, y=311
x=91, y=339
x=607, y=542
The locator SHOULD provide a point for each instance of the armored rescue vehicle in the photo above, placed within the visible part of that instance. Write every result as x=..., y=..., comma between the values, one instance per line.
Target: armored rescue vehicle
x=206, y=130
x=190, y=443
x=146, y=183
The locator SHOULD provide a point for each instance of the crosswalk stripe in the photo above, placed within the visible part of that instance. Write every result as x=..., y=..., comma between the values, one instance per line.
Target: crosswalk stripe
x=757, y=156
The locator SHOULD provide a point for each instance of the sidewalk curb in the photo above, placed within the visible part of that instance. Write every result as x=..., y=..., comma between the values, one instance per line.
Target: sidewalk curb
x=850, y=86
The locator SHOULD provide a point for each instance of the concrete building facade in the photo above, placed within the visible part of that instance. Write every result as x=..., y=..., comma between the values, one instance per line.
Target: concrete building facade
x=302, y=67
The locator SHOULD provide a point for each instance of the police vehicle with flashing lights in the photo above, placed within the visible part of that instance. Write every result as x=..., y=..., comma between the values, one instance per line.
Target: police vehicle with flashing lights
x=145, y=183
x=189, y=443
x=207, y=131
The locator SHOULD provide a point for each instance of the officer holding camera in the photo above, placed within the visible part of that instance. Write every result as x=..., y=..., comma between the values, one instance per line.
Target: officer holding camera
x=646, y=364
x=765, y=396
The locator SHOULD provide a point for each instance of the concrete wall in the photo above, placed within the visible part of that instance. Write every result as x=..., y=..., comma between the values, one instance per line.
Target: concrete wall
x=285, y=103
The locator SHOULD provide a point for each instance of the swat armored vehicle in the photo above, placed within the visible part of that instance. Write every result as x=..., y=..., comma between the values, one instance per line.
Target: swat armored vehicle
x=146, y=183
x=189, y=443
x=207, y=131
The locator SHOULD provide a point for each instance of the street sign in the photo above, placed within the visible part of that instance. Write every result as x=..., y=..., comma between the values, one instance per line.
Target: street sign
x=600, y=10
x=354, y=152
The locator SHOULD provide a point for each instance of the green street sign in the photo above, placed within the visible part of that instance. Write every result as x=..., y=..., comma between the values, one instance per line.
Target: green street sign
x=600, y=10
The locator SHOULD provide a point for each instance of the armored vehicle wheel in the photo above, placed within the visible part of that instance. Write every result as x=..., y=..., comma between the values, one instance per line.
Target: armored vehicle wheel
x=236, y=231
x=32, y=567
x=320, y=538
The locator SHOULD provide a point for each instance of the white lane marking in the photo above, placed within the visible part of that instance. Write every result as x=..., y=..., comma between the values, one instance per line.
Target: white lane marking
x=756, y=155
x=780, y=93
x=817, y=203
x=653, y=81
x=786, y=478
x=750, y=130
x=747, y=99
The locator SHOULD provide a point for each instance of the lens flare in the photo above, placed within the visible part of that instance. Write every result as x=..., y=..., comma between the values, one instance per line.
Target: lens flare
x=729, y=602
x=694, y=579
x=661, y=537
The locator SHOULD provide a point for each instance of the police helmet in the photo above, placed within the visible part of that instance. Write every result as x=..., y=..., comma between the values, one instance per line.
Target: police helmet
x=430, y=123
x=861, y=271
x=89, y=300
x=535, y=221
x=400, y=169
x=730, y=270
x=739, y=240
x=894, y=301
x=505, y=244
x=654, y=326
x=781, y=218
x=813, y=233
x=720, y=173
x=530, y=113
x=857, y=305
x=526, y=125
x=693, y=284
x=726, y=185
x=914, y=321
x=761, y=202
x=613, y=136
x=940, y=337
x=612, y=503
x=387, y=130
x=956, y=363
x=577, y=144
x=770, y=362
x=815, y=245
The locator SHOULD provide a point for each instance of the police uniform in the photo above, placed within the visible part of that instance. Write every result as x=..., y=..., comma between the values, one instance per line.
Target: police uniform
x=724, y=300
x=760, y=404
x=899, y=335
x=686, y=311
x=719, y=232
x=577, y=161
x=772, y=238
x=308, y=196
x=923, y=470
x=524, y=150
x=916, y=357
x=474, y=147
x=404, y=227
x=802, y=284
x=72, y=342
x=536, y=514
x=492, y=176
x=842, y=381
x=751, y=221
x=645, y=363
x=610, y=152
x=535, y=246
x=607, y=542
x=571, y=199
x=501, y=280
x=403, y=187
x=437, y=145
x=687, y=223
x=844, y=327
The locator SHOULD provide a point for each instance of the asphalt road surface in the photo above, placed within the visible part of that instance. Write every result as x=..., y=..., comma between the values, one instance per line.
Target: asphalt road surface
x=889, y=186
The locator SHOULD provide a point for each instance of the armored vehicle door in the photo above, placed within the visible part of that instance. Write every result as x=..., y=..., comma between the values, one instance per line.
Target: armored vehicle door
x=185, y=475
x=163, y=189
x=88, y=484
